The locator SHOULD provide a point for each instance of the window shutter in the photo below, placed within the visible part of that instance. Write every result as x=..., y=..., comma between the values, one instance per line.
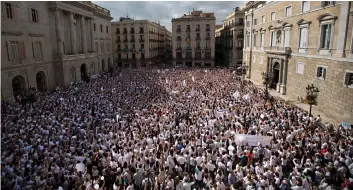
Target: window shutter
x=33, y=49
x=324, y=73
x=9, y=51
x=37, y=15
x=346, y=80
x=318, y=72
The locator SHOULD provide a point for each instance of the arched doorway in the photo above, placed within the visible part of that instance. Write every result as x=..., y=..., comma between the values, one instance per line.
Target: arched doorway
x=275, y=78
x=41, y=81
x=103, y=65
x=84, y=74
x=18, y=85
x=73, y=74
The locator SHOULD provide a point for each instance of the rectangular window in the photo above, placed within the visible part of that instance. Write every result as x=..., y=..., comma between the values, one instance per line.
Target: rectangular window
x=273, y=16
x=142, y=56
x=240, y=43
x=101, y=28
x=288, y=11
x=303, y=37
x=255, y=21
x=94, y=26
x=254, y=43
x=37, y=51
x=10, y=12
x=263, y=19
x=198, y=55
x=208, y=55
x=305, y=6
x=325, y=35
x=13, y=50
x=348, y=79
x=142, y=46
x=34, y=15
x=179, y=55
x=300, y=68
x=102, y=47
x=107, y=29
x=262, y=42
x=321, y=72
x=273, y=38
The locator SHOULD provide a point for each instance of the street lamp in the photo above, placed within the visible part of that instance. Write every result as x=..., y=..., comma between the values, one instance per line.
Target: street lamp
x=267, y=77
x=311, y=95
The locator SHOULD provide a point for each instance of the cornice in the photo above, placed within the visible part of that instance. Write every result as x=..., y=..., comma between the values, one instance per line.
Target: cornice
x=36, y=35
x=12, y=33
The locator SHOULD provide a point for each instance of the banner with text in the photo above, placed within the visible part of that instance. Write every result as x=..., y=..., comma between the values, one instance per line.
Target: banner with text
x=253, y=140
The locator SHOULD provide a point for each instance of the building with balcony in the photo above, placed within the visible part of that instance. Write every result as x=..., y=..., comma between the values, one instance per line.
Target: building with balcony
x=47, y=44
x=230, y=36
x=300, y=43
x=194, y=39
x=138, y=43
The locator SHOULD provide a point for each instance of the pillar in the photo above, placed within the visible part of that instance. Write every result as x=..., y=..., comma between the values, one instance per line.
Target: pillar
x=283, y=87
x=84, y=35
x=73, y=34
x=342, y=29
x=280, y=75
x=92, y=35
x=59, y=32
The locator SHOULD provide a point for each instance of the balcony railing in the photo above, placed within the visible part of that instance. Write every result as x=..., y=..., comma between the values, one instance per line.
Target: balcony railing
x=240, y=35
x=132, y=50
x=125, y=32
x=118, y=41
x=198, y=38
x=132, y=40
x=125, y=41
x=141, y=40
x=198, y=48
x=188, y=30
x=117, y=32
x=142, y=49
x=178, y=48
x=197, y=29
x=125, y=50
x=208, y=38
x=188, y=48
x=132, y=32
x=208, y=29
x=279, y=50
x=118, y=50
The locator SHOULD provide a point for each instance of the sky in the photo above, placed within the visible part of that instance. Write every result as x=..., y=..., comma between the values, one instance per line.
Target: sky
x=164, y=11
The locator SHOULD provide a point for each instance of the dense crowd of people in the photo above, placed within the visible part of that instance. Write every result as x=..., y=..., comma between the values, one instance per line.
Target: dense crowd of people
x=168, y=129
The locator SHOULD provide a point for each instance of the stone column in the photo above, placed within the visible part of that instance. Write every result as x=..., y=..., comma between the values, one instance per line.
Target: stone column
x=92, y=35
x=59, y=32
x=342, y=30
x=84, y=35
x=73, y=36
x=280, y=75
x=283, y=88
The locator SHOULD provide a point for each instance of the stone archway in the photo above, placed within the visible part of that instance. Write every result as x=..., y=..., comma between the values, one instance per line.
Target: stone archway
x=103, y=65
x=18, y=85
x=41, y=81
x=275, y=71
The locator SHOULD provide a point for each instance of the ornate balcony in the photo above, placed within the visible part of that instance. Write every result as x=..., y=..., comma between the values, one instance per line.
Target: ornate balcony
x=278, y=50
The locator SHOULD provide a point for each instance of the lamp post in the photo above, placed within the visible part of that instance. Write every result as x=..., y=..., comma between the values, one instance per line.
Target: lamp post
x=267, y=77
x=311, y=96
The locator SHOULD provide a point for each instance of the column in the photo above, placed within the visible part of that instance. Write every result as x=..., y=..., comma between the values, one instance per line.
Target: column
x=84, y=36
x=283, y=88
x=92, y=35
x=59, y=32
x=342, y=30
x=280, y=75
x=73, y=34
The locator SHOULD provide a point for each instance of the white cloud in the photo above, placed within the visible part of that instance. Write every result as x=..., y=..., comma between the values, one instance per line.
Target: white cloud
x=165, y=11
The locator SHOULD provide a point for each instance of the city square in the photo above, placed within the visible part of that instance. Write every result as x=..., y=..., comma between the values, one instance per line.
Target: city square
x=261, y=101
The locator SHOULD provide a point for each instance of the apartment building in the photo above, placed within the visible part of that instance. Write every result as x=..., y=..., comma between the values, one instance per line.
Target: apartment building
x=138, y=43
x=300, y=43
x=230, y=39
x=219, y=45
x=46, y=44
x=194, y=39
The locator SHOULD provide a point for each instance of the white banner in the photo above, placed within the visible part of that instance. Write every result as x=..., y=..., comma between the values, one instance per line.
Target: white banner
x=193, y=78
x=253, y=140
x=184, y=83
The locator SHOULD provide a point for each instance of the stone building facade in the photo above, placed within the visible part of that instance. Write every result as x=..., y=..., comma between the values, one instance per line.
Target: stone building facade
x=193, y=37
x=230, y=39
x=138, y=43
x=300, y=43
x=46, y=44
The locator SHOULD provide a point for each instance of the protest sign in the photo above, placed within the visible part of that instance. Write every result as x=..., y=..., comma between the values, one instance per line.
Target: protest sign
x=253, y=140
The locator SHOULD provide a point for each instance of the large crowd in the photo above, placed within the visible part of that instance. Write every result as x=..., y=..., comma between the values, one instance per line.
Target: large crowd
x=168, y=129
